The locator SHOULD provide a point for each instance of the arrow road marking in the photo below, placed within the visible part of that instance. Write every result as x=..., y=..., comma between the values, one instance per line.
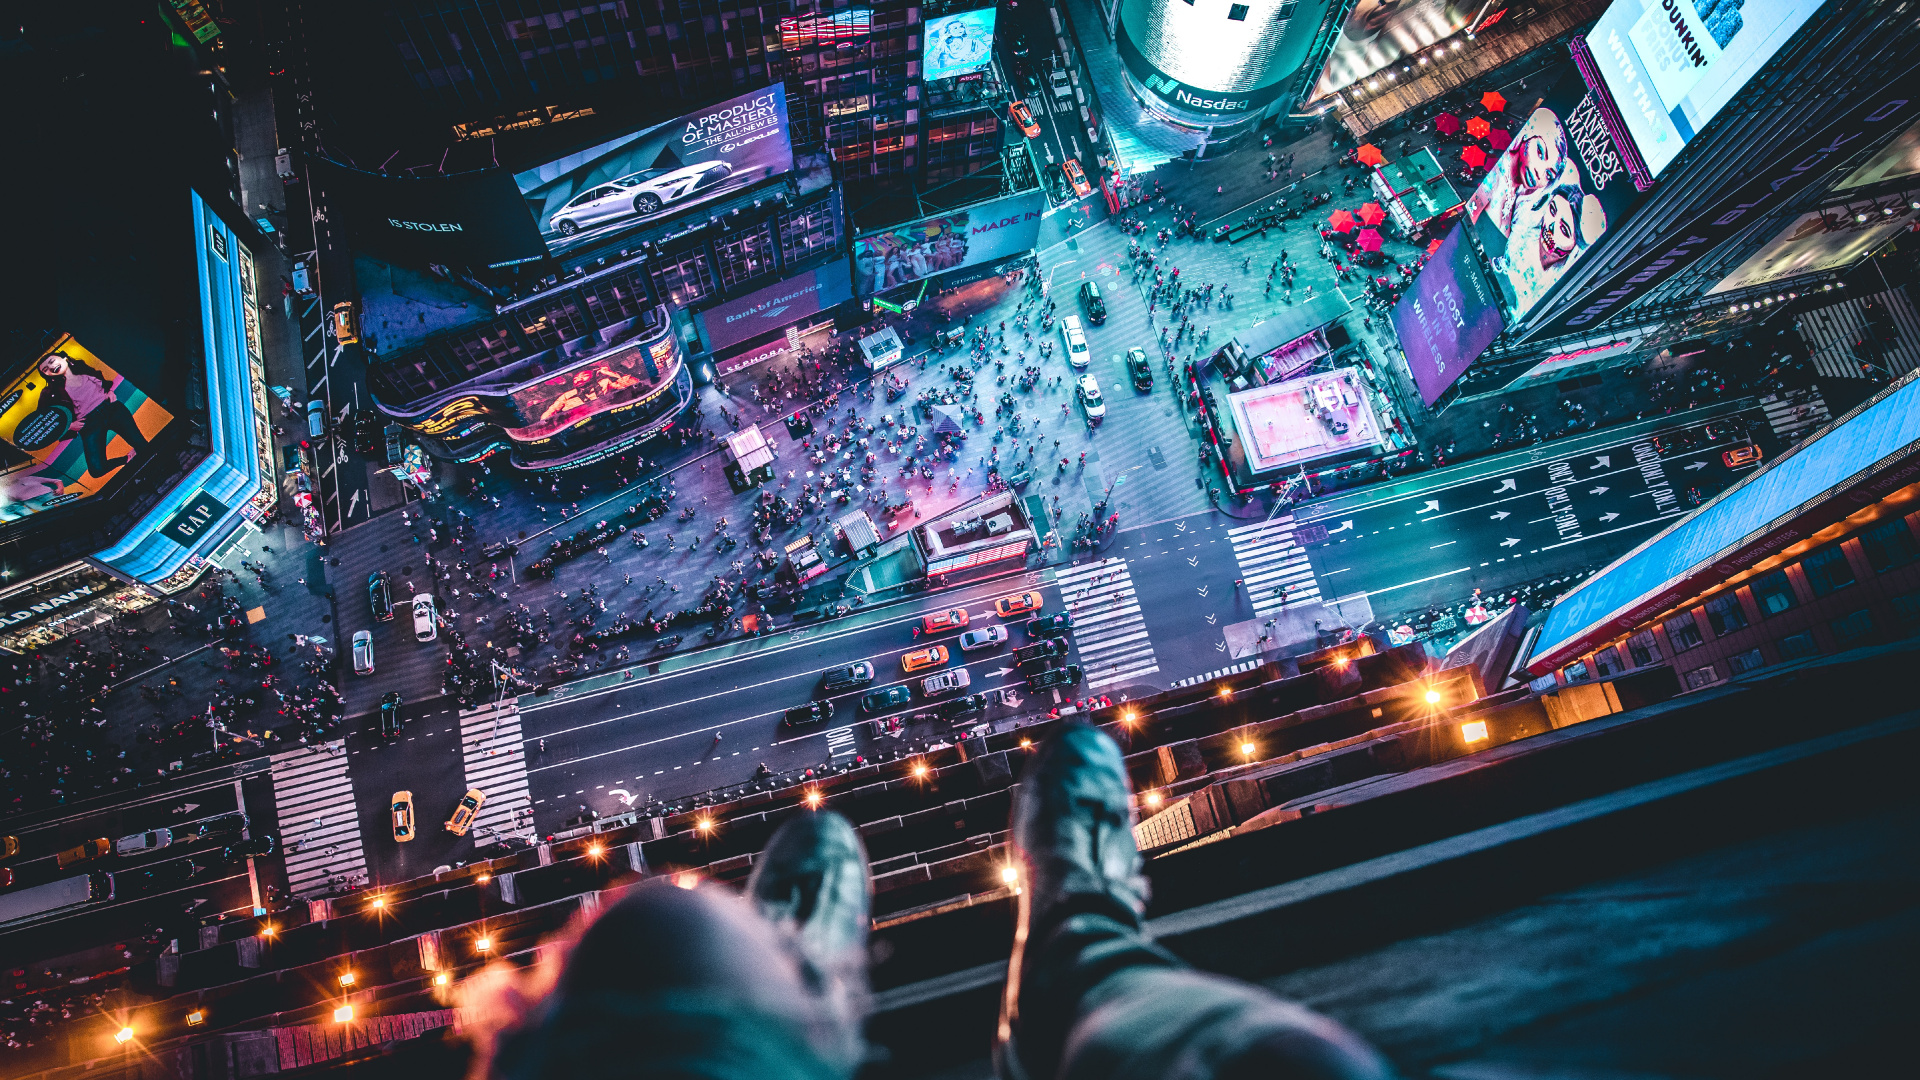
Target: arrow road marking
x=1213, y=620
x=625, y=798
x=999, y=672
x=1179, y=526
x=1500, y=516
x=1202, y=590
x=1509, y=542
x=1600, y=461
x=1193, y=560
x=1509, y=484
x=1343, y=527
x=186, y=808
x=1608, y=517
x=1696, y=465
x=1219, y=646
x=1432, y=505
x=1598, y=490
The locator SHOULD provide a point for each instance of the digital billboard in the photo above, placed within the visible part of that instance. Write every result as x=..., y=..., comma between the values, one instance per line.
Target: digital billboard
x=1897, y=160
x=626, y=376
x=800, y=31
x=1822, y=240
x=69, y=422
x=1551, y=196
x=1378, y=32
x=958, y=44
x=468, y=219
x=1215, y=61
x=606, y=191
x=978, y=234
x=1447, y=318
x=1671, y=65
x=777, y=305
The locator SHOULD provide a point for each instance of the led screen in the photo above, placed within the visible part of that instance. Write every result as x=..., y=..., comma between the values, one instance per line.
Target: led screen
x=607, y=191
x=1551, y=196
x=777, y=305
x=1216, y=59
x=1448, y=318
x=800, y=31
x=1828, y=240
x=623, y=377
x=1672, y=64
x=69, y=422
x=1897, y=160
x=1378, y=32
x=979, y=234
x=958, y=44
x=474, y=218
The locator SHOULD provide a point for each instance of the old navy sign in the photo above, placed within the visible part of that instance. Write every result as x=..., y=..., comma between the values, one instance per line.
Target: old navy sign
x=778, y=305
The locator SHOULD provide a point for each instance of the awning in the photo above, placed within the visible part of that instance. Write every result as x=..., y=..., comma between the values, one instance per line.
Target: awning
x=881, y=348
x=859, y=531
x=749, y=447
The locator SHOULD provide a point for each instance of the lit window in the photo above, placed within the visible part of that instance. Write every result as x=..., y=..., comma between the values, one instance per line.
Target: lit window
x=1238, y=13
x=1725, y=614
x=1474, y=731
x=1643, y=649
x=1827, y=570
x=1700, y=677
x=1751, y=660
x=1682, y=632
x=1773, y=593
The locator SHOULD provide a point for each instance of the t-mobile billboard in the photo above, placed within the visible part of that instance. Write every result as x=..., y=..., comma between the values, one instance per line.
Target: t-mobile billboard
x=978, y=234
x=606, y=191
x=468, y=219
x=778, y=305
x=1448, y=318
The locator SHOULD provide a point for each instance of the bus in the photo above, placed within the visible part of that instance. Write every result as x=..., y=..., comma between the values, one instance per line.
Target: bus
x=24, y=905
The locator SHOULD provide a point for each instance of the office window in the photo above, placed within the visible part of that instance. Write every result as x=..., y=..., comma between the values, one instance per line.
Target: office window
x=1607, y=662
x=1682, y=632
x=807, y=231
x=682, y=279
x=1725, y=614
x=1797, y=646
x=1888, y=545
x=1577, y=672
x=1827, y=570
x=1851, y=630
x=1700, y=677
x=745, y=255
x=1643, y=649
x=1238, y=13
x=1773, y=594
x=1751, y=660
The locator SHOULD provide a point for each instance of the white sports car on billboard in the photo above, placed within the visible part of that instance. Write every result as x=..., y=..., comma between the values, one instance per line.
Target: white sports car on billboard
x=646, y=192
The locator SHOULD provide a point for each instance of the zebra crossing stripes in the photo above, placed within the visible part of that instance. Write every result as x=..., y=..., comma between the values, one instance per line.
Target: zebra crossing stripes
x=1796, y=413
x=1273, y=569
x=495, y=761
x=840, y=742
x=1236, y=669
x=1109, y=633
x=319, y=822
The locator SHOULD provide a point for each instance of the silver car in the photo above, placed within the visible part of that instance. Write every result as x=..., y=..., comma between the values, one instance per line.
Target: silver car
x=642, y=193
x=363, y=652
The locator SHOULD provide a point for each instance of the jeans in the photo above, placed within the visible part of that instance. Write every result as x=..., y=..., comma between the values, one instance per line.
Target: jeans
x=99, y=428
x=694, y=983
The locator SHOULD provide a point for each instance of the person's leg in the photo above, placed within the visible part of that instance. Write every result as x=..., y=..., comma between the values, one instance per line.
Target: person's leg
x=1088, y=995
x=101, y=424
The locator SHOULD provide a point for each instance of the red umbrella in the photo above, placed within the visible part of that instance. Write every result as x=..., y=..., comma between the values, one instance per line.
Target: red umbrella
x=1369, y=240
x=1498, y=138
x=1474, y=156
x=1371, y=214
x=1493, y=101
x=1341, y=221
x=1478, y=127
x=1433, y=245
x=1447, y=122
x=1370, y=155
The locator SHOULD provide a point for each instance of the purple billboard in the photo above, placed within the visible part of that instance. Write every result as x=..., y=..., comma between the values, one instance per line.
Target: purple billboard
x=778, y=305
x=1448, y=318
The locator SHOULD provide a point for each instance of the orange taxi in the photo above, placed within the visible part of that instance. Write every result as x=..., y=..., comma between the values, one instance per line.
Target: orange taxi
x=931, y=656
x=1076, y=176
x=1022, y=115
x=1018, y=604
x=950, y=619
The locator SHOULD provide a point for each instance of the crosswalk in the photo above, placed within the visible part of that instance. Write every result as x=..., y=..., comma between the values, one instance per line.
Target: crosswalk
x=1885, y=322
x=496, y=763
x=319, y=821
x=1108, y=631
x=1796, y=413
x=1246, y=665
x=1273, y=569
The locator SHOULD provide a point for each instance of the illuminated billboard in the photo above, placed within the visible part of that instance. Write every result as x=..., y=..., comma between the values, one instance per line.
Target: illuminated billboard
x=628, y=376
x=1671, y=65
x=1447, y=318
x=1378, y=32
x=69, y=422
x=800, y=31
x=1897, y=160
x=1213, y=62
x=1551, y=196
x=606, y=191
x=958, y=44
x=1829, y=240
x=778, y=305
x=472, y=218
x=978, y=234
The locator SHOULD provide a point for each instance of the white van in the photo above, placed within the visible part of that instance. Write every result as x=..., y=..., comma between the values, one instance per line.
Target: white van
x=151, y=840
x=1077, y=353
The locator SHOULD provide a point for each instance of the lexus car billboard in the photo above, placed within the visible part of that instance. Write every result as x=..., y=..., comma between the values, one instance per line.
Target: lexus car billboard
x=468, y=219
x=1551, y=196
x=68, y=422
x=1829, y=240
x=1448, y=318
x=777, y=306
x=1672, y=64
x=978, y=234
x=958, y=44
x=607, y=190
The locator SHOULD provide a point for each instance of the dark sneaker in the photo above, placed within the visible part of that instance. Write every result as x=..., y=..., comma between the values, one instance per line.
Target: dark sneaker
x=812, y=881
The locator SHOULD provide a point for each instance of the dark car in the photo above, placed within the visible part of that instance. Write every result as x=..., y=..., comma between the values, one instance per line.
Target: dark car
x=1096, y=307
x=1140, y=369
x=813, y=712
x=379, y=596
x=1056, y=677
x=962, y=707
x=1037, y=665
x=1047, y=626
x=391, y=722
x=266, y=844
x=850, y=677
x=159, y=878
x=887, y=697
x=1039, y=649
x=224, y=825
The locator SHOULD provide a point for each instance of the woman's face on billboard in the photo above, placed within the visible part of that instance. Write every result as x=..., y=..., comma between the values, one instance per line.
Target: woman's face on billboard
x=1557, y=228
x=54, y=365
x=1540, y=159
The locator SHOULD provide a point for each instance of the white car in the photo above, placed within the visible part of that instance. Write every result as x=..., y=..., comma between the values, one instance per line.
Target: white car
x=425, y=618
x=363, y=652
x=151, y=840
x=642, y=193
x=945, y=682
x=1077, y=353
x=984, y=638
x=1088, y=391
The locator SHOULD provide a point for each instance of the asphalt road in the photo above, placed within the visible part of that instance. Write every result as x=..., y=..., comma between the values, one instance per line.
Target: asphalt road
x=1508, y=519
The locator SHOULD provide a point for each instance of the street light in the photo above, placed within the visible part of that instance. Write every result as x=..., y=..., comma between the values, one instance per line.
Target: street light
x=123, y=1036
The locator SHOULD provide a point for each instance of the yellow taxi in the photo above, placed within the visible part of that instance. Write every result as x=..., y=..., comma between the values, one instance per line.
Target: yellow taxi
x=1022, y=115
x=931, y=656
x=1076, y=176
x=950, y=619
x=1018, y=604
x=402, y=816
x=464, y=812
x=86, y=852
